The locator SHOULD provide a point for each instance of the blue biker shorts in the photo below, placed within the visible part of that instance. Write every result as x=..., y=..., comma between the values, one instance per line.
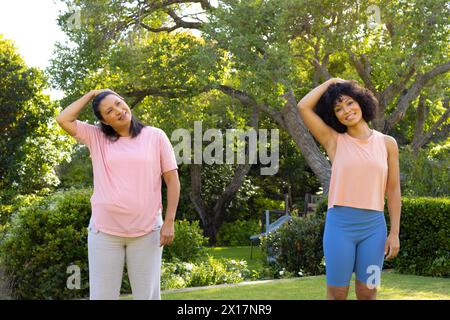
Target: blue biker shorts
x=354, y=241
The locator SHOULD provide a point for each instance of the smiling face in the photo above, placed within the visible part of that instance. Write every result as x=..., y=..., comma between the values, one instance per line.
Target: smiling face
x=347, y=111
x=115, y=111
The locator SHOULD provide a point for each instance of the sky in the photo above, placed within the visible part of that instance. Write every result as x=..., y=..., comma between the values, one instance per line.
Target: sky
x=31, y=24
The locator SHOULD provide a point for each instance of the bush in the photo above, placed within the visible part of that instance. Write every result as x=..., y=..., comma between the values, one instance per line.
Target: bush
x=9, y=203
x=237, y=233
x=424, y=237
x=214, y=271
x=43, y=240
x=178, y=274
x=188, y=244
x=296, y=248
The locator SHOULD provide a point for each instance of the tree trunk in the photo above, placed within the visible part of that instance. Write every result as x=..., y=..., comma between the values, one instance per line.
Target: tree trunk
x=213, y=218
x=421, y=138
x=207, y=216
x=297, y=130
x=290, y=120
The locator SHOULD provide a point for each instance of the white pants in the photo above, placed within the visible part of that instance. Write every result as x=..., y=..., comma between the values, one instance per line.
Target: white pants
x=107, y=254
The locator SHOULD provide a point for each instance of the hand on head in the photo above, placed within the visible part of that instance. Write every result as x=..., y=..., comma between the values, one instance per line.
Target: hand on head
x=98, y=91
x=338, y=80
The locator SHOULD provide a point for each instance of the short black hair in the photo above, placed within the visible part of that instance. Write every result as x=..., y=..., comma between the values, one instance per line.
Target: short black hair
x=135, y=127
x=365, y=98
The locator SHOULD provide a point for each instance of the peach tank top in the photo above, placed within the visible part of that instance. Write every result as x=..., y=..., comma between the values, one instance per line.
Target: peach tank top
x=359, y=172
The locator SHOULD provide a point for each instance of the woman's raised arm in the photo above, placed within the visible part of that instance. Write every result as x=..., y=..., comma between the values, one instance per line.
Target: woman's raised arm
x=66, y=119
x=318, y=128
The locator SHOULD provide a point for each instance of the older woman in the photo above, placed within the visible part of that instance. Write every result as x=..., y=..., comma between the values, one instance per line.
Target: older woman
x=128, y=161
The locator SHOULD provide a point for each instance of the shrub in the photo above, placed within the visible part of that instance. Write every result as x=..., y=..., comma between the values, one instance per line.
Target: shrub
x=210, y=271
x=43, y=240
x=296, y=248
x=237, y=233
x=218, y=271
x=424, y=237
x=10, y=203
x=175, y=274
x=188, y=244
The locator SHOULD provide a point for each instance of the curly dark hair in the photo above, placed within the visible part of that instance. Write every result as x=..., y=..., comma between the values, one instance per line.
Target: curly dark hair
x=365, y=98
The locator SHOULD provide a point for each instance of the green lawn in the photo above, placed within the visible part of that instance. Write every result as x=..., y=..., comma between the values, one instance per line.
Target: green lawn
x=393, y=286
x=241, y=253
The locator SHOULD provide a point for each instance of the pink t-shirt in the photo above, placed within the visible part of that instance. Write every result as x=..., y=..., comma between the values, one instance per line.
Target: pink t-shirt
x=127, y=178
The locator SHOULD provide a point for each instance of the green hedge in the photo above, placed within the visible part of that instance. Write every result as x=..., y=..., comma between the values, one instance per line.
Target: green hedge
x=424, y=240
x=424, y=237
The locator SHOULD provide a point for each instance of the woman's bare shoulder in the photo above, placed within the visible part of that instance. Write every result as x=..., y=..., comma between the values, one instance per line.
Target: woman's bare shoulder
x=391, y=143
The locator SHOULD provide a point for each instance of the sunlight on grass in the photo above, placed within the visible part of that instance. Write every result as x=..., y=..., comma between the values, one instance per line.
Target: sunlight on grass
x=394, y=287
x=399, y=294
x=241, y=253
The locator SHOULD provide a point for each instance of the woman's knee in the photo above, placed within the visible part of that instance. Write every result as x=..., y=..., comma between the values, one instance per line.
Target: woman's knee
x=337, y=293
x=364, y=292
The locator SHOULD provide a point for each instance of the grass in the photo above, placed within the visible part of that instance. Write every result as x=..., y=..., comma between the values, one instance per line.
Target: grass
x=241, y=253
x=394, y=286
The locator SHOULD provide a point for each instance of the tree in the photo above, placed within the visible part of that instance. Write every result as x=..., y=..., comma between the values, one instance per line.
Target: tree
x=284, y=39
x=30, y=144
x=266, y=54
